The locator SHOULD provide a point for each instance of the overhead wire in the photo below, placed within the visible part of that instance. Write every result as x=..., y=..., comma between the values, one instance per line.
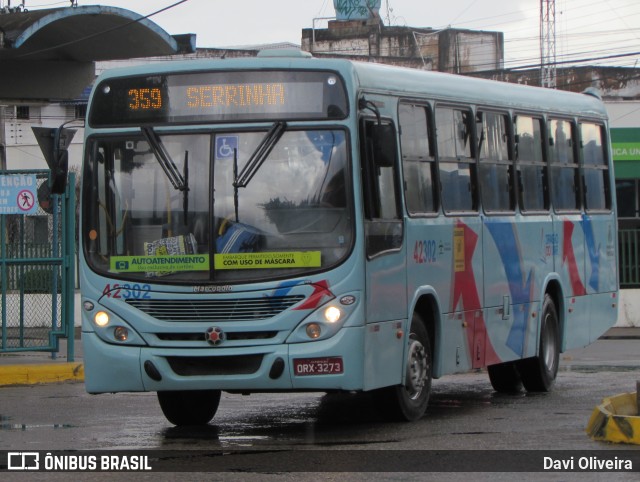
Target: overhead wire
x=522, y=49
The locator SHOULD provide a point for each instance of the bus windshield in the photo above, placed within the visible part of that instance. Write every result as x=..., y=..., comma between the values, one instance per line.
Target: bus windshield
x=223, y=207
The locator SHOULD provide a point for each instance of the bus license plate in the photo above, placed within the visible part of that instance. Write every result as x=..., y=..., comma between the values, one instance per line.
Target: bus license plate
x=318, y=366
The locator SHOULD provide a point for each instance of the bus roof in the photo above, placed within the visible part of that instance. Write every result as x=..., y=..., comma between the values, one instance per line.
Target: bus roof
x=401, y=81
x=460, y=88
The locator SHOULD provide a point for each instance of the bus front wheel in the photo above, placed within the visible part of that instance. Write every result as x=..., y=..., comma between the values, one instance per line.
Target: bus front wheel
x=539, y=373
x=408, y=402
x=193, y=407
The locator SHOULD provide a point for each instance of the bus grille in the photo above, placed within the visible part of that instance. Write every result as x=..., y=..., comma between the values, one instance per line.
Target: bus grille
x=228, y=336
x=218, y=365
x=216, y=310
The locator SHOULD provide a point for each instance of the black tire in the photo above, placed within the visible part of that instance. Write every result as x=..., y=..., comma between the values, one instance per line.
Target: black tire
x=539, y=373
x=408, y=402
x=193, y=407
x=505, y=377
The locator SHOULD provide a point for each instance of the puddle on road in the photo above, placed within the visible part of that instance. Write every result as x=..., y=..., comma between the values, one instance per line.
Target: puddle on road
x=242, y=440
x=5, y=424
x=24, y=427
x=597, y=368
x=204, y=436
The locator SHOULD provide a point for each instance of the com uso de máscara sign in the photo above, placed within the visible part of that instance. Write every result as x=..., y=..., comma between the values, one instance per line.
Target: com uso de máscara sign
x=18, y=194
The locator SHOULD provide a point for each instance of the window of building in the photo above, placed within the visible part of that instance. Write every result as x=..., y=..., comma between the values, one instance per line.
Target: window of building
x=627, y=197
x=80, y=111
x=22, y=112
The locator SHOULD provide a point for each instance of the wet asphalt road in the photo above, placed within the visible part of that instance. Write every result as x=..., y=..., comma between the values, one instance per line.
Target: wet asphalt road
x=464, y=414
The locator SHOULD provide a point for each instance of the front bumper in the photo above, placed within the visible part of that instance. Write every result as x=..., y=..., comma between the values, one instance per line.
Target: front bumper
x=114, y=368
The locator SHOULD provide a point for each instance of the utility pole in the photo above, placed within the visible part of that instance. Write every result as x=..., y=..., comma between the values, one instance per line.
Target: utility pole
x=548, y=43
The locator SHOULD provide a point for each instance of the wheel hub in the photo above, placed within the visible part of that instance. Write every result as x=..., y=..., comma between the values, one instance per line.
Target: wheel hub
x=417, y=369
x=549, y=349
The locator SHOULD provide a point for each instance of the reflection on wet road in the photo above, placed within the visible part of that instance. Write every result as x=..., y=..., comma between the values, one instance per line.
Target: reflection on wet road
x=464, y=413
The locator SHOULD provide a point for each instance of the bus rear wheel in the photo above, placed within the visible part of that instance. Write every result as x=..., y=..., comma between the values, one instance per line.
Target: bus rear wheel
x=539, y=373
x=505, y=378
x=408, y=402
x=192, y=407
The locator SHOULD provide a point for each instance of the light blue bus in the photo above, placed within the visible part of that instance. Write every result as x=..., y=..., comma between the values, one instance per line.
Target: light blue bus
x=288, y=223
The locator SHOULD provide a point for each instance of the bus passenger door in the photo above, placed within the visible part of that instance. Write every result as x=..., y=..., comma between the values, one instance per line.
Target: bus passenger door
x=386, y=294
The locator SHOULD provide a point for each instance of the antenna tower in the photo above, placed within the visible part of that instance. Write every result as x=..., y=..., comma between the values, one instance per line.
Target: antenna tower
x=548, y=43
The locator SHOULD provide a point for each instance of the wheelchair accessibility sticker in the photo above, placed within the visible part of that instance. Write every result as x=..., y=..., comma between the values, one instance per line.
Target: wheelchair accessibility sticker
x=225, y=146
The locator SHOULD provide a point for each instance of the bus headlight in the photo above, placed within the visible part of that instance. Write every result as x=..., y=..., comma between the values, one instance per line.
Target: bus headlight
x=313, y=330
x=332, y=314
x=110, y=328
x=120, y=333
x=327, y=320
x=101, y=318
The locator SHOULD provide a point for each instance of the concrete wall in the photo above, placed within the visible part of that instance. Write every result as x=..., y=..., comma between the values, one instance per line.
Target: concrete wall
x=623, y=113
x=449, y=50
x=614, y=83
x=22, y=149
x=629, y=314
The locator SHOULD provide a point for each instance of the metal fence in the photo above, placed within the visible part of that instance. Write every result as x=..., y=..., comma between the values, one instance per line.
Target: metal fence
x=629, y=255
x=37, y=270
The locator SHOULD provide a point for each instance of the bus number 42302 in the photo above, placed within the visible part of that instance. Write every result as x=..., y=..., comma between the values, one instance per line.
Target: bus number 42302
x=425, y=252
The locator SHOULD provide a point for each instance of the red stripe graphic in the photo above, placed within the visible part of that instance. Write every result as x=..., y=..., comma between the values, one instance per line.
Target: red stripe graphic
x=482, y=352
x=569, y=258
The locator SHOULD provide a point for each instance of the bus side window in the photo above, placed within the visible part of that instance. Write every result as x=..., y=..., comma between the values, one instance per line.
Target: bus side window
x=531, y=164
x=496, y=176
x=565, y=189
x=456, y=164
x=594, y=168
x=383, y=223
x=418, y=159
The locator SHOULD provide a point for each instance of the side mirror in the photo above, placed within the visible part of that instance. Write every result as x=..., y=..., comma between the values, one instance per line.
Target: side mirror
x=385, y=147
x=54, y=142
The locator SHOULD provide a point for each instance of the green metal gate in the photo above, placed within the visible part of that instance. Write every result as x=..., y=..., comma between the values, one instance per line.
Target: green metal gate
x=37, y=266
x=629, y=255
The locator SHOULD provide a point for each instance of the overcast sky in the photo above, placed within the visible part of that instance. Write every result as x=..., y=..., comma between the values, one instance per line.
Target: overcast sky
x=584, y=28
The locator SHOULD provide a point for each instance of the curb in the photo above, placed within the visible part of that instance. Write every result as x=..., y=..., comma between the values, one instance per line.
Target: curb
x=31, y=374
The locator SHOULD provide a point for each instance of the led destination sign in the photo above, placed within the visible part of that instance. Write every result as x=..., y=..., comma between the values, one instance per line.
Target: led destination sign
x=217, y=97
x=251, y=98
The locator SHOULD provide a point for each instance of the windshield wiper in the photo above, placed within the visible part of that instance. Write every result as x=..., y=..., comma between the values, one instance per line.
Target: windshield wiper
x=256, y=160
x=178, y=181
x=260, y=155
